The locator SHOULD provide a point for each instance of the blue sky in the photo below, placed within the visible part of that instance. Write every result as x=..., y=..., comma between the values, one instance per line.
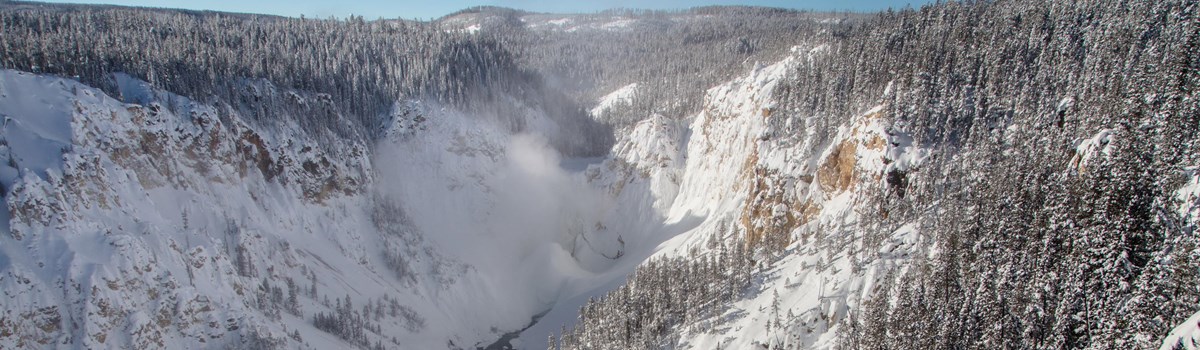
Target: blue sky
x=427, y=9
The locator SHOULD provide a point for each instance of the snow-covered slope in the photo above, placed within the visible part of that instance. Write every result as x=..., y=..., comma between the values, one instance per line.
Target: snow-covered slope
x=782, y=186
x=1189, y=194
x=1186, y=335
x=175, y=224
x=741, y=163
x=131, y=229
x=622, y=96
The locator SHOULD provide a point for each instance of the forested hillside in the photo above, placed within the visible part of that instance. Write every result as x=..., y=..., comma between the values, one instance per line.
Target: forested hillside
x=357, y=70
x=673, y=55
x=1051, y=208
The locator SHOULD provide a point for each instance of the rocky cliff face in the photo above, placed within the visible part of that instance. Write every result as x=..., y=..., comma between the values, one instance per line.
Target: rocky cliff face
x=169, y=223
x=742, y=168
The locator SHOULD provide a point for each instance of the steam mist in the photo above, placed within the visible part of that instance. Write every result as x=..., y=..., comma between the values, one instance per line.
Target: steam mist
x=497, y=201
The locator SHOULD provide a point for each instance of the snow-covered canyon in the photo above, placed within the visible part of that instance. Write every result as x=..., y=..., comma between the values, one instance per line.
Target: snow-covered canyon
x=997, y=174
x=159, y=221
